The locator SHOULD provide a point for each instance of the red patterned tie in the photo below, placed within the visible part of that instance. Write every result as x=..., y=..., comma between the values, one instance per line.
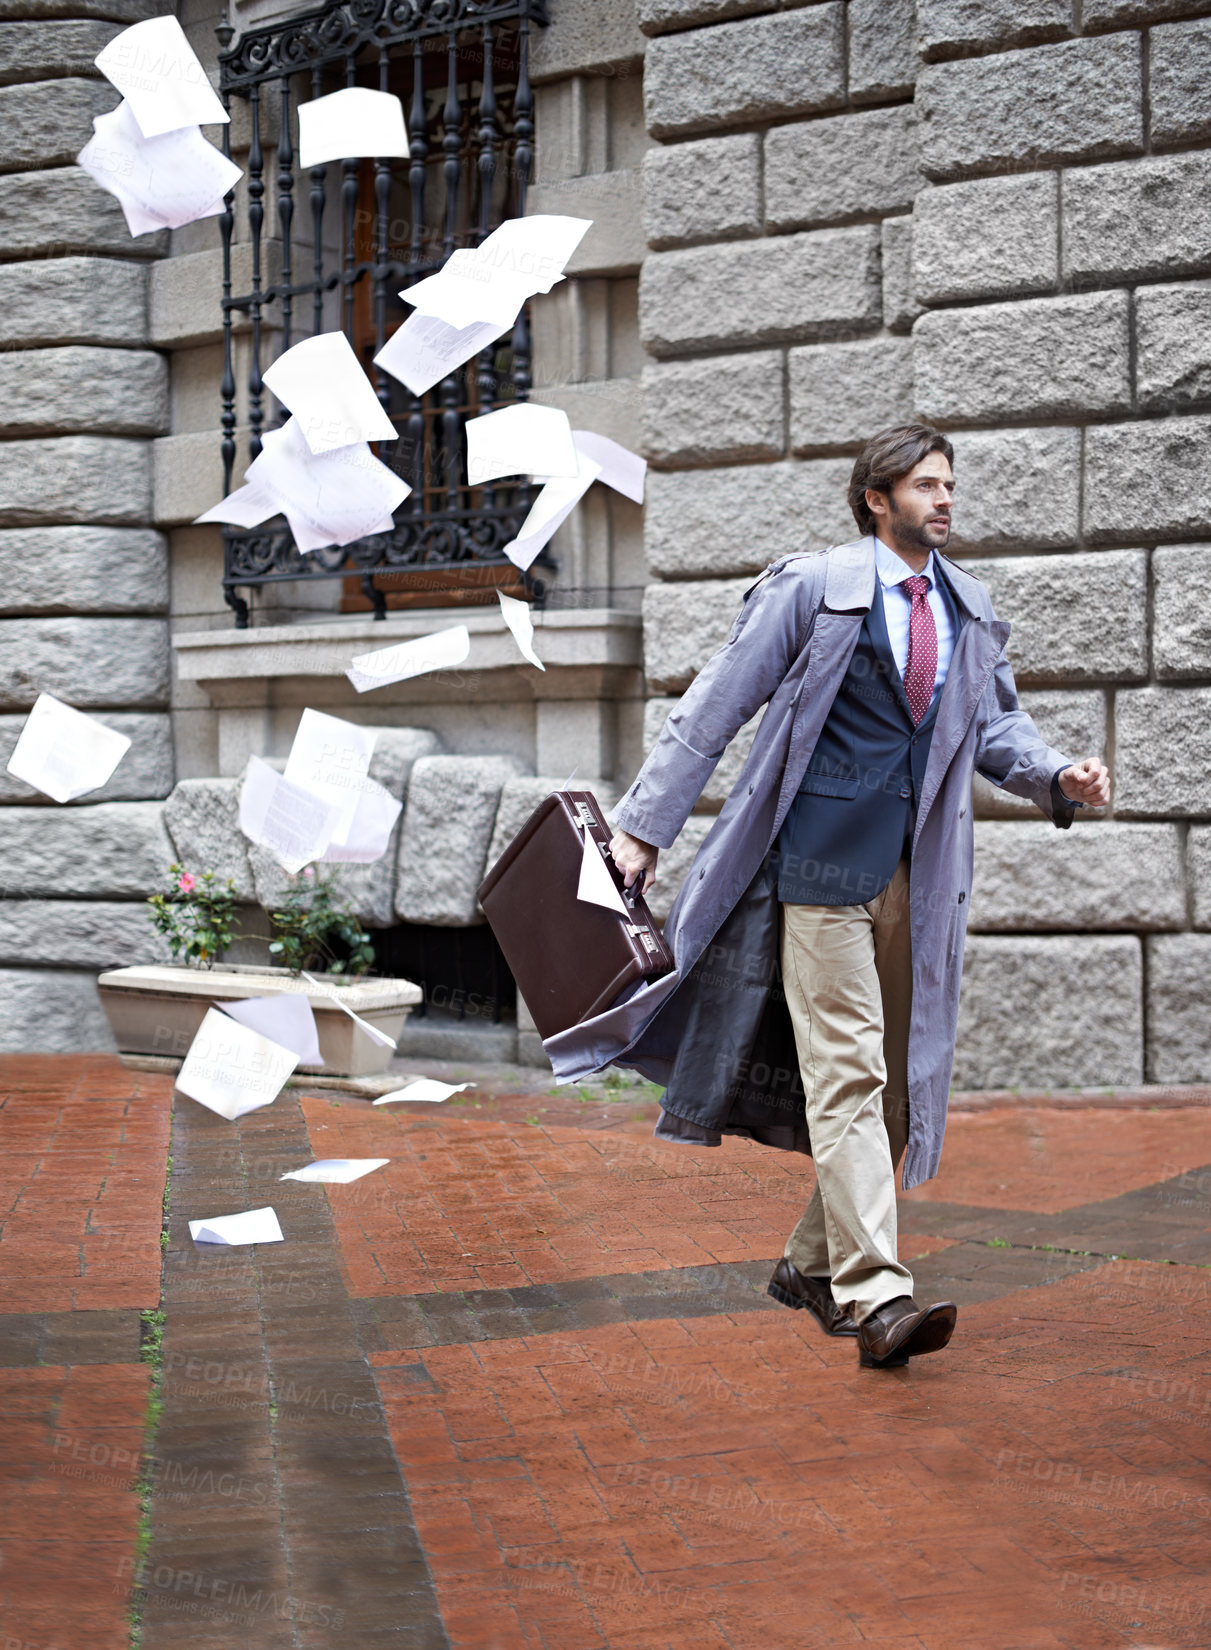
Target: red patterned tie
x=922, y=647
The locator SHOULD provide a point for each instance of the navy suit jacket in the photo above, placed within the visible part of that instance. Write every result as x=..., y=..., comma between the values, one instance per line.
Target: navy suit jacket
x=853, y=817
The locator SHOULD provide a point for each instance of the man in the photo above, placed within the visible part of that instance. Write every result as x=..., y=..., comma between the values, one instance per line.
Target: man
x=841, y=862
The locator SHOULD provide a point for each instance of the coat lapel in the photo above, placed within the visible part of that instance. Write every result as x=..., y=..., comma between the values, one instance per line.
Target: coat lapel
x=849, y=589
x=833, y=641
x=978, y=646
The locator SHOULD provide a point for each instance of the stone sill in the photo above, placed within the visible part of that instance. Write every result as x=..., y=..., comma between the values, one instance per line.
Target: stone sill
x=593, y=639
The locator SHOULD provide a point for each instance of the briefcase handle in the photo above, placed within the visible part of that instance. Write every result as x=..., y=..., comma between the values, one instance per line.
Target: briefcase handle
x=634, y=893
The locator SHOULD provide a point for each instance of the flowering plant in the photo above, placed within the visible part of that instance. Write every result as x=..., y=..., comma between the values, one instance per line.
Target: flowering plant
x=313, y=930
x=197, y=916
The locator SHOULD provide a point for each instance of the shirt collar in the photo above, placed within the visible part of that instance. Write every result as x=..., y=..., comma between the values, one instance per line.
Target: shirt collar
x=893, y=569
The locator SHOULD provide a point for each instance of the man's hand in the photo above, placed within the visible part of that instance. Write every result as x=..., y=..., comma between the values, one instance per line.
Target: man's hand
x=632, y=856
x=1087, y=782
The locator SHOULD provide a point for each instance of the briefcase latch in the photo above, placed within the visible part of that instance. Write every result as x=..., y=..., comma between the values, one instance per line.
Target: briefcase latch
x=645, y=938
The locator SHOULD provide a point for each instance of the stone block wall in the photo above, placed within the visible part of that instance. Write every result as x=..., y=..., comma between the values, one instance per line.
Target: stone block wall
x=995, y=216
x=84, y=576
x=812, y=218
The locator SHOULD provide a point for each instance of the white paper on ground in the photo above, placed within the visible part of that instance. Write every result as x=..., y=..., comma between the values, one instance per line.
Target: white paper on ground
x=619, y=467
x=158, y=73
x=524, y=439
x=424, y=1088
x=322, y=382
x=337, y=1171
x=287, y=1020
x=596, y=885
x=161, y=182
x=232, y=1069
x=437, y=651
x=549, y=511
x=424, y=350
x=368, y=835
x=380, y=1037
x=63, y=753
x=350, y=124
x=293, y=823
x=327, y=498
x=252, y=1226
x=517, y=617
x=329, y=759
x=492, y=281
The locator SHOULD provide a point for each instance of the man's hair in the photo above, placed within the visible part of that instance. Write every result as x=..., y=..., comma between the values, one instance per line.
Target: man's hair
x=888, y=456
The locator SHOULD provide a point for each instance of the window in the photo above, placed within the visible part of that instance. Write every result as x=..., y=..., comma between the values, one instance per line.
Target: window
x=348, y=237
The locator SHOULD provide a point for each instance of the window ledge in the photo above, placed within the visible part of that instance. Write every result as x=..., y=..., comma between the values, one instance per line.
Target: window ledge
x=597, y=638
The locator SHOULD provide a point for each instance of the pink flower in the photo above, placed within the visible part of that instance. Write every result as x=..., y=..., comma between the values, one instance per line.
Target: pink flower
x=186, y=883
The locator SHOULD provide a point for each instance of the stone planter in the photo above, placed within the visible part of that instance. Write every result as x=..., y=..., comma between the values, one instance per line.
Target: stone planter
x=157, y=1010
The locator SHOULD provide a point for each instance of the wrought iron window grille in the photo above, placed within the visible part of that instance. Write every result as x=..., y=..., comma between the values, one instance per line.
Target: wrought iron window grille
x=461, y=69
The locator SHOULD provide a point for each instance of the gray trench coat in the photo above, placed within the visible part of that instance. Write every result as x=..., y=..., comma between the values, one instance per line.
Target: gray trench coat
x=789, y=649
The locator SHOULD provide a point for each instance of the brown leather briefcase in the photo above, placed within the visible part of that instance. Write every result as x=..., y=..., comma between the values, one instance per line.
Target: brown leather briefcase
x=571, y=959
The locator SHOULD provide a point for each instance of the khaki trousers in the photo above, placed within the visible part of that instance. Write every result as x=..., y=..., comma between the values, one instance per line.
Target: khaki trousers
x=847, y=972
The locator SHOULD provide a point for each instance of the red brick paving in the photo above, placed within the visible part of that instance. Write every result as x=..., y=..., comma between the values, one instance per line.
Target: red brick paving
x=704, y=1483
x=83, y=1146
x=471, y=1204
x=740, y=1482
x=1031, y=1157
x=70, y=1446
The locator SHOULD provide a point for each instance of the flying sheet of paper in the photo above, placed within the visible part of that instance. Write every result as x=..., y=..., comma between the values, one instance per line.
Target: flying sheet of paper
x=619, y=467
x=63, y=753
x=329, y=759
x=161, y=182
x=336, y=1171
x=327, y=498
x=492, y=281
x=549, y=511
x=322, y=382
x=253, y=1226
x=232, y=1069
x=287, y=1020
x=293, y=823
x=368, y=835
x=380, y=1037
x=157, y=71
x=247, y=507
x=436, y=651
x=424, y=350
x=424, y=1088
x=517, y=616
x=596, y=885
x=350, y=124
x=536, y=247
x=524, y=439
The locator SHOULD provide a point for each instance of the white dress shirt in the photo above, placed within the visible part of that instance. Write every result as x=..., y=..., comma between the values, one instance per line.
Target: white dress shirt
x=897, y=605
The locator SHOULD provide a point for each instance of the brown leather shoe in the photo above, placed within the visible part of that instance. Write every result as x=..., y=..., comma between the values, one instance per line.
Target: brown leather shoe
x=793, y=1288
x=900, y=1329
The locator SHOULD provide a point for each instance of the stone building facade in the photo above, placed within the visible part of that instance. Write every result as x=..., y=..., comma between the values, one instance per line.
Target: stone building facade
x=810, y=220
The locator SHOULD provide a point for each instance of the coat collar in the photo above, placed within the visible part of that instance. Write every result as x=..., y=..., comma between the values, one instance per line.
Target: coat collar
x=849, y=584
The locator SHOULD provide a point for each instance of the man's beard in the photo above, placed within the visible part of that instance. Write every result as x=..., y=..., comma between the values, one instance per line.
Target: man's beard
x=908, y=533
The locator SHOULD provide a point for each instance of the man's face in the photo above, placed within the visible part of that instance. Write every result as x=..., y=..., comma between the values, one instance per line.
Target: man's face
x=919, y=505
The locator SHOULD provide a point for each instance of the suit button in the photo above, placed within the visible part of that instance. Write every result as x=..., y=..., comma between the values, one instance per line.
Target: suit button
x=962, y=813
x=962, y=897
x=750, y=790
